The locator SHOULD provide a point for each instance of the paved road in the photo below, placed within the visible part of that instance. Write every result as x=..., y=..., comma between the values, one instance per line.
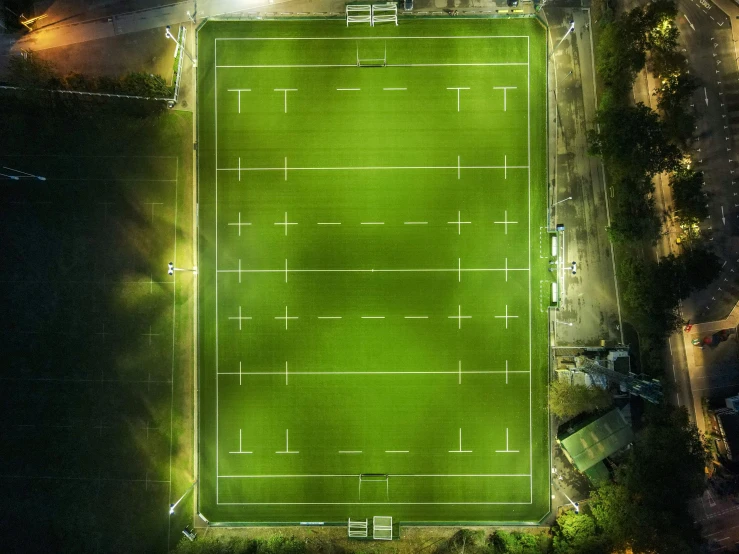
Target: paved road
x=589, y=309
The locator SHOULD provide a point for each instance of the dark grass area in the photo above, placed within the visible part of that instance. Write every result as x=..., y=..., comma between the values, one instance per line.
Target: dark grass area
x=93, y=371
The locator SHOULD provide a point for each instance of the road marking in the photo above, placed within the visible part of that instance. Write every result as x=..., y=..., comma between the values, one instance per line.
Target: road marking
x=689, y=23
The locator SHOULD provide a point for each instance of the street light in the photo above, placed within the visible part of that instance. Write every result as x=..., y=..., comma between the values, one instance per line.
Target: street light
x=24, y=175
x=563, y=322
x=190, y=16
x=572, y=28
x=173, y=506
x=575, y=505
x=169, y=34
x=171, y=269
x=560, y=201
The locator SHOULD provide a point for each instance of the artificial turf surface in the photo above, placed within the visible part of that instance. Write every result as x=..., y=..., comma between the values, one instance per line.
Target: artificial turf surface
x=380, y=229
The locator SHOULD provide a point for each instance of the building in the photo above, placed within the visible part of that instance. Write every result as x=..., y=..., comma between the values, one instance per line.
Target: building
x=587, y=446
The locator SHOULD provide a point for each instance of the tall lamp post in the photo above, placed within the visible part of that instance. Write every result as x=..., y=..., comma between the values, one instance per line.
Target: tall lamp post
x=23, y=175
x=171, y=269
x=572, y=28
x=173, y=506
x=169, y=34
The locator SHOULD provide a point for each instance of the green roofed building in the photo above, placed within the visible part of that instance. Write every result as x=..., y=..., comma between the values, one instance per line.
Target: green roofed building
x=588, y=446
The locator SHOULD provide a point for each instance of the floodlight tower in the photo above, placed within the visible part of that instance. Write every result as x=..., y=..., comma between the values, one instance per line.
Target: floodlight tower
x=174, y=505
x=23, y=175
x=171, y=269
x=169, y=34
x=572, y=28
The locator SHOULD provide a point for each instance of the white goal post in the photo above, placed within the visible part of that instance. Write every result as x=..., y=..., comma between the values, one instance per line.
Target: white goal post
x=382, y=528
x=358, y=13
x=358, y=529
x=385, y=13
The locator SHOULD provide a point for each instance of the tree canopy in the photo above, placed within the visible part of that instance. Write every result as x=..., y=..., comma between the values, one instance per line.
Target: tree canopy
x=567, y=400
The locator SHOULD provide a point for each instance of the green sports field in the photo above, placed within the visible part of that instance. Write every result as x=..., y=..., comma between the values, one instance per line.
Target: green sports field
x=372, y=284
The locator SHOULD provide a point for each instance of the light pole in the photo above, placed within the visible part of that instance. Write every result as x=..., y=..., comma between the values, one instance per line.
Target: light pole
x=560, y=201
x=572, y=28
x=23, y=176
x=171, y=269
x=563, y=322
x=575, y=505
x=190, y=16
x=169, y=34
x=173, y=506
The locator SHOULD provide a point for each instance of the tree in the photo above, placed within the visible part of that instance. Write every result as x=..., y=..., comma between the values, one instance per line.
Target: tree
x=577, y=534
x=567, y=400
x=632, y=142
x=689, y=196
x=646, y=509
x=635, y=215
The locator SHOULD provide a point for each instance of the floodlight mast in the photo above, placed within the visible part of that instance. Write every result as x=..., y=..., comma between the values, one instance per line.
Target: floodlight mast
x=572, y=28
x=174, y=505
x=23, y=175
x=168, y=34
x=171, y=269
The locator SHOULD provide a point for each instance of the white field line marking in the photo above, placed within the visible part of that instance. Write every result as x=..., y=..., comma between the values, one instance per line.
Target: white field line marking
x=286, y=318
x=416, y=317
x=347, y=89
x=459, y=222
x=460, y=451
x=395, y=88
x=460, y=373
x=240, y=372
x=374, y=168
x=286, y=90
x=457, y=89
x=505, y=222
x=285, y=223
x=469, y=372
x=507, y=449
x=418, y=270
x=460, y=317
x=505, y=95
x=350, y=451
x=239, y=91
x=372, y=223
x=373, y=38
x=172, y=365
x=239, y=318
x=506, y=316
x=287, y=66
x=506, y=270
x=239, y=174
x=355, y=475
x=415, y=223
x=241, y=450
x=287, y=445
x=329, y=317
x=528, y=133
x=328, y=223
x=372, y=503
x=215, y=100
x=373, y=317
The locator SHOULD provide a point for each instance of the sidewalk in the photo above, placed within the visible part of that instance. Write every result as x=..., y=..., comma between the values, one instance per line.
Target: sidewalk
x=699, y=360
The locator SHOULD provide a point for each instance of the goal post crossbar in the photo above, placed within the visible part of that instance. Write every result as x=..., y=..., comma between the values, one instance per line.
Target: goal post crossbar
x=358, y=528
x=382, y=528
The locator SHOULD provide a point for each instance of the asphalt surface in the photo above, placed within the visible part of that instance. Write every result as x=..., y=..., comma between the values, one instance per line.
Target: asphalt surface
x=589, y=311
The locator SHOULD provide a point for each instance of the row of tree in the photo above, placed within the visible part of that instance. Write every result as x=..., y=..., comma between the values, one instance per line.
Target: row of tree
x=645, y=509
x=636, y=144
x=36, y=73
